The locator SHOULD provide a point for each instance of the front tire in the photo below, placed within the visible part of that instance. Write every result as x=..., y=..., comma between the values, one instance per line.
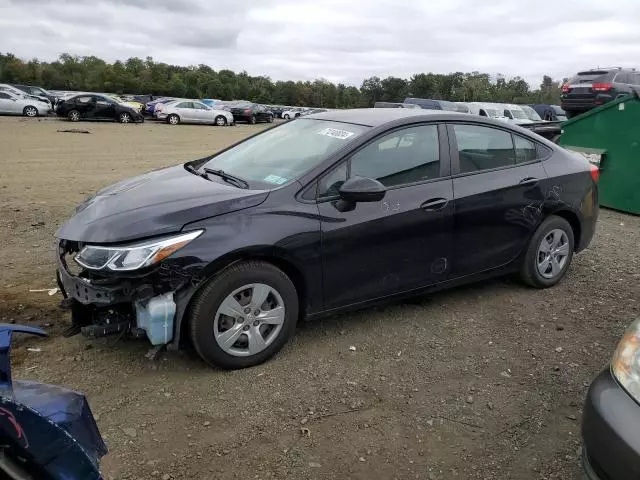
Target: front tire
x=549, y=253
x=30, y=111
x=220, y=121
x=244, y=315
x=124, y=117
x=173, y=119
x=270, y=119
x=252, y=120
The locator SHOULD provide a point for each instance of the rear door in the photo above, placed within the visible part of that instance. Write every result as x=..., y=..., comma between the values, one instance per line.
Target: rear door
x=400, y=243
x=84, y=105
x=499, y=188
x=186, y=112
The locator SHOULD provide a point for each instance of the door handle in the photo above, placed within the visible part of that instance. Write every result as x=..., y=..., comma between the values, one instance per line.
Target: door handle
x=434, y=204
x=529, y=181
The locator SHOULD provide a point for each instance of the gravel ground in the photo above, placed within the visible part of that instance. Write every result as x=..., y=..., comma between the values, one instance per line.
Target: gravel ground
x=480, y=382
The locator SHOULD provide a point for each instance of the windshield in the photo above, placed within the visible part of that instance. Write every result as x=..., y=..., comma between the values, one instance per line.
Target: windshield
x=283, y=153
x=519, y=114
x=531, y=113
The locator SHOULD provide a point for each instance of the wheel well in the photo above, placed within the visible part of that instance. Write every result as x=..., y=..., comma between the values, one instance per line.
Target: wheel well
x=574, y=221
x=287, y=267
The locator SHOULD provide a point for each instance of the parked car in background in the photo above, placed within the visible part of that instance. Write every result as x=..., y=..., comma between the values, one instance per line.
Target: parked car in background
x=550, y=113
x=425, y=103
x=149, y=108
x=12, y=104
x=277, y=110
x=593, y=88
x=211, y=102
x=514, y=113
x=394, y=105
x=611, y=415
x=131, y=103
x=462, y=107
x=97, y=107
x=191, y=111
x=251, y=112
x=530, y=113
x=38, y=92
x=292, y=112
x=332, y=211
x=489, y=110
x=5, y=87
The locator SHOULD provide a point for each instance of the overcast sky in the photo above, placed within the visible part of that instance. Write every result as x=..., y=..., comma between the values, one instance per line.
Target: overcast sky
x=340, y=40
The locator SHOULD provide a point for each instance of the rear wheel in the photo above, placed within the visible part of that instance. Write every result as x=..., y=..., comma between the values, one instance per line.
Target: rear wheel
x=173, y=119
x=74, y=115
x=30, y=111
x=244, y=315
x=270, y=119
x=252, y=120
x=124, y=117
x=549, y=253
x=220, y=121
x=286, y=116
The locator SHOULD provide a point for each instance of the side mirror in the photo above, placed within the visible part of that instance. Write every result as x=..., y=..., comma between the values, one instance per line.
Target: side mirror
x=362, y=189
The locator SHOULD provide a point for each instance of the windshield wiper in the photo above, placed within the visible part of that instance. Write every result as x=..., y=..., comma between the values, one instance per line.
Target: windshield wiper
x=195, y=171
x=238, y=182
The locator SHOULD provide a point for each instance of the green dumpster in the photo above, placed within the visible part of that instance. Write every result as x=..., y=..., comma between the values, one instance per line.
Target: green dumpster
x=609, y=137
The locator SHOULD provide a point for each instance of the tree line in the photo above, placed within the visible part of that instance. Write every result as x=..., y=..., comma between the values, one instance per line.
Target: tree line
x=137, y=76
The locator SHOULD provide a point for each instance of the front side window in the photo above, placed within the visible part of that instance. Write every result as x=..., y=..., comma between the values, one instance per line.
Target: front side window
x=284, y=153
x=483, y=148
x=405, y=156
x=4, y=95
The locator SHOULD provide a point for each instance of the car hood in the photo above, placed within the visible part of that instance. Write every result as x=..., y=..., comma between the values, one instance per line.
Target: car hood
x=156, y=203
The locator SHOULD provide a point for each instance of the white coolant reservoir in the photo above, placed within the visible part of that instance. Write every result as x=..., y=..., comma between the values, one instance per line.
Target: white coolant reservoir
x=155, y=316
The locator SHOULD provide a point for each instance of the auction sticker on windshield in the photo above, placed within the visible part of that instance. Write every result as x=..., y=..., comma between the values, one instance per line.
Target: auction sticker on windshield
x=275, y=179
x=336, y=133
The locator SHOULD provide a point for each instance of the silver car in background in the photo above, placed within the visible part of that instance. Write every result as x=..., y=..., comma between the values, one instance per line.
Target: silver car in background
x=190, y=111
x=14, y=104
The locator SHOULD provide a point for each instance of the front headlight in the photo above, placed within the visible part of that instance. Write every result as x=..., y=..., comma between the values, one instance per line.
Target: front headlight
x=625, y=364
x=133, y=256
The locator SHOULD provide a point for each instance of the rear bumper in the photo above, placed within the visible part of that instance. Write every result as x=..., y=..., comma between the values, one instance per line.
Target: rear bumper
x=584, y=104
x=611, y=431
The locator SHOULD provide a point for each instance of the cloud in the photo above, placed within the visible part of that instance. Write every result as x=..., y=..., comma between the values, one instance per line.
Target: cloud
x=340, y=40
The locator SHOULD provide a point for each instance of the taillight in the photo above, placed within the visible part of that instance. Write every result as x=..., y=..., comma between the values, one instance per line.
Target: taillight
x=565, y=88
x=595, y=173
x=601, y=87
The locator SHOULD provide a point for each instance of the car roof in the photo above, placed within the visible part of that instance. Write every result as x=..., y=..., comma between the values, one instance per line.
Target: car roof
x=373, y=117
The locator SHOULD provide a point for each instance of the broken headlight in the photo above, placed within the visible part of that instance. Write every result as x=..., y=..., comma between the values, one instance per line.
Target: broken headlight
x=134, y=255
x=625, y=364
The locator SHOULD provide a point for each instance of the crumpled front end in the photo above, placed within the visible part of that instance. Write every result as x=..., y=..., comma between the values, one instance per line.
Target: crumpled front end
x=137, y=304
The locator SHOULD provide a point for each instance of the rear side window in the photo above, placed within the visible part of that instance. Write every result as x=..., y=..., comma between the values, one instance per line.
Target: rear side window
x=184, y=105
x=83, y=99
x=483, y=148
x=525, y=149
x=622, y=77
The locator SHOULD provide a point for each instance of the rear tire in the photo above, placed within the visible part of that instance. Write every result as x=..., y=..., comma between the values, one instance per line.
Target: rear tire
x=270, y=119
x=252, y=120
x=205, y=317
x=30, y=111
x=173, y=119
x=286, y=116
x=74, y=116
x=220, y=121
x=549, y=253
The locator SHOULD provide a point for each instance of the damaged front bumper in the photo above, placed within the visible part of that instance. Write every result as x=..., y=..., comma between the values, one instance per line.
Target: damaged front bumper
x=147, y=304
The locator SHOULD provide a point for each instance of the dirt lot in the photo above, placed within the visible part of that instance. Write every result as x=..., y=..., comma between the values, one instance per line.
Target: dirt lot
x=483, y=382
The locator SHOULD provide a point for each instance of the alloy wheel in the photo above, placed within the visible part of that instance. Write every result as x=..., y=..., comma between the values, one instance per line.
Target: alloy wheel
x=553, y=253
x=30, y=111
x=249, y=319
x=125, y=118
x=220, y=121
x=173, y=120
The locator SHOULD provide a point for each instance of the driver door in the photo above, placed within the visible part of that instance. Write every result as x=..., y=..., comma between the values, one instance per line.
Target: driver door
x=103, y=109
x=400, y=243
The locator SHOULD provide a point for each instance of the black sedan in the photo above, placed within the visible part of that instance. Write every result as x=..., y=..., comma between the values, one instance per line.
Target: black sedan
x=251, y=113
x=97, y=107
x=325, y=213
x=611, y=420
